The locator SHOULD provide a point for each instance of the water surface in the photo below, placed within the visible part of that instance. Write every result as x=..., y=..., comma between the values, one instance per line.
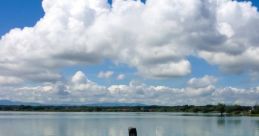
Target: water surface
x=116, y=124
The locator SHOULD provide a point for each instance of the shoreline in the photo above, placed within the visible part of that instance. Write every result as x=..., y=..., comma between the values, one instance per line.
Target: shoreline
x=187, y=110
x=180, y=113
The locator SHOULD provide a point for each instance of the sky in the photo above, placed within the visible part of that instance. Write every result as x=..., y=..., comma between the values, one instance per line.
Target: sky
x=166, y=52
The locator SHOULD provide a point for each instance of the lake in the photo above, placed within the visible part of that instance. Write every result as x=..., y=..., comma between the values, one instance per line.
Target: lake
x=116, y=124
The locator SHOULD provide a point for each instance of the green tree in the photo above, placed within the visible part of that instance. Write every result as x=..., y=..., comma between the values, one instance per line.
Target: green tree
x=221, y=108
x=255, y=109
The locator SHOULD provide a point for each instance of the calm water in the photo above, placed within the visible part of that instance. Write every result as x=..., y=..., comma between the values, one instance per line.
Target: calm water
x=116, y=124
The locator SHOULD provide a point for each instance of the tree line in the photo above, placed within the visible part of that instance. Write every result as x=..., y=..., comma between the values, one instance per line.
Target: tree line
x=220, y=108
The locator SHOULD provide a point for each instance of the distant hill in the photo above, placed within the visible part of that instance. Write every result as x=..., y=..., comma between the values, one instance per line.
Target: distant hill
x=8, y=102
x=113, y=104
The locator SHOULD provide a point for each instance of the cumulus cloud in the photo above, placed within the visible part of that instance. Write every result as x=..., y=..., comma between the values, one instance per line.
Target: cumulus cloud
x=121, y=77
x=156, y=38
x=202, y=82
x=80, y=83
x=79, y=77
x=81, y=90
x=105, y=74
x=238, y=53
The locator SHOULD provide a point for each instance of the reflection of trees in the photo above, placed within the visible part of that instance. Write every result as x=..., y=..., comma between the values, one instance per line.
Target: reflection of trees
x=257, y=123
x=221, y=121
x=235, y=121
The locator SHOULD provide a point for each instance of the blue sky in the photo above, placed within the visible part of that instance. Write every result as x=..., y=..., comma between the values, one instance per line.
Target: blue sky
x=26, y=13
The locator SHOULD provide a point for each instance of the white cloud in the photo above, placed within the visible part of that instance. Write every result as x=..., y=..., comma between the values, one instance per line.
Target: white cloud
x=234, y=63
x=237, y=95
x=202, y=82
x=80, y=90
x=105, y=74
x=156, y=38
x=239, y=51
x=6, y=80
x=121, y=77
x=79, y=77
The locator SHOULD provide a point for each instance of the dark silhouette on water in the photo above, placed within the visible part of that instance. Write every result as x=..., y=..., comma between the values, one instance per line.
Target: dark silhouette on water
x=132, y=131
